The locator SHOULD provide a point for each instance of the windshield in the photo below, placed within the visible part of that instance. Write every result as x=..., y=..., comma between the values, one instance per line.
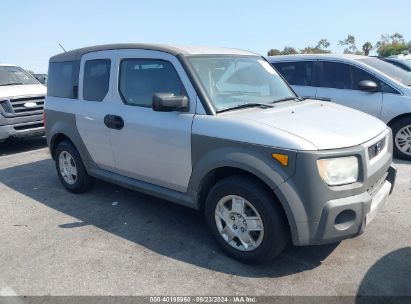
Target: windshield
x=13, y=75
x=389, y=69
x=232, y=81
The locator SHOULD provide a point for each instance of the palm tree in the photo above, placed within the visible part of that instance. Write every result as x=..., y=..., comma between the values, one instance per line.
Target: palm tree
x=367, y=47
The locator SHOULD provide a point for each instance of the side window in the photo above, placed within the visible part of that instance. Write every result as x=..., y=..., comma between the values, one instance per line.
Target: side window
x=360, y=75
x=140, y=79
x=96, y=79
x=334, y=75
x=63, y=79
x=296, y=73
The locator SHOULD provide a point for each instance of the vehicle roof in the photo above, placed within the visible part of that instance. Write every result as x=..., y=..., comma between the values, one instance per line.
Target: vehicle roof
x=6, y=64
x=315, y=56
x=395, y=59
x=171, y=49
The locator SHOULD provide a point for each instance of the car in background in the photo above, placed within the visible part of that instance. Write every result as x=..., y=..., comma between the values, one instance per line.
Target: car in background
x=364, y=83
x=42, y=78
x=21, y=103
x=401, y=63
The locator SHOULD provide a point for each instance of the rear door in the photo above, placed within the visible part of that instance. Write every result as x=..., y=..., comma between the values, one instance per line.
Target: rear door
x=300, y=75
x=96, y=73
x=338, y=82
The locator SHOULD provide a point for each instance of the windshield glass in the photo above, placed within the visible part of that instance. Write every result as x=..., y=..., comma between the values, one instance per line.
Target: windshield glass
x=12, y=75
x=389, y=69
x=232, y=81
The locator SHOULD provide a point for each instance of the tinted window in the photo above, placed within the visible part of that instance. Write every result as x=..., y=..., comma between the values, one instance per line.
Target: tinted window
x=96, y=79
x=360, y=75
x=296, y=73
x=140, y=79
x=335, y=75
x=342, y=76
x=390, y=70
x=62, y=79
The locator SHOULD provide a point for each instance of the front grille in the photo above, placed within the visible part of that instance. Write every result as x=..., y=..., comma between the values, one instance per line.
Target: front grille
x=377, y=186
x=376, y=149
x=22, y=106
x=28, y=126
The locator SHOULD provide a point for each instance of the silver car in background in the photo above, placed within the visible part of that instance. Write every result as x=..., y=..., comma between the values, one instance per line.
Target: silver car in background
x=365, y=83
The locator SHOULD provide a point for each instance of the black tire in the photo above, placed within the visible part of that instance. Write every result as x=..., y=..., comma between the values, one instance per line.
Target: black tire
x=276, y=231
x=396, y=128
x=83, y=181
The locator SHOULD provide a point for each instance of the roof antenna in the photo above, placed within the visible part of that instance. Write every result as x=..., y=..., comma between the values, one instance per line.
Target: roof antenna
x=62, y=47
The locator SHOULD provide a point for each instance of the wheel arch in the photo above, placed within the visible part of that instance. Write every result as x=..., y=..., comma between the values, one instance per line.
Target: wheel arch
x=397, y=118
x=219, y=172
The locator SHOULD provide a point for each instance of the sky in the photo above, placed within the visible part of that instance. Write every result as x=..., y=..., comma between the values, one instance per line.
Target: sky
x=31, y=30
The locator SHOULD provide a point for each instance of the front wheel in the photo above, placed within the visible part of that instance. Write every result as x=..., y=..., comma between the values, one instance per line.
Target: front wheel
x=246, y=220
x=402, y=138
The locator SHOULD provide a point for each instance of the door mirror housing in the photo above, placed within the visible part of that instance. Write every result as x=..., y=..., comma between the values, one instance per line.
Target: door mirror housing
x=368, y=86
x=168, y=102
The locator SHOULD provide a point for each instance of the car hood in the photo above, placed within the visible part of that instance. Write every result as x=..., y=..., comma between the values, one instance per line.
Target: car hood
x=15, y=91
x=325, y=125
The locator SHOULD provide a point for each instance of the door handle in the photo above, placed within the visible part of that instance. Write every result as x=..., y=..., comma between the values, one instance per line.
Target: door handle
x=323, y=98
x=114, y=122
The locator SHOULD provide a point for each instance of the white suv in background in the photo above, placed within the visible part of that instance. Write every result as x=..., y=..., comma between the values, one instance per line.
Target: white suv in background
x=365, y=83
x=21, y=103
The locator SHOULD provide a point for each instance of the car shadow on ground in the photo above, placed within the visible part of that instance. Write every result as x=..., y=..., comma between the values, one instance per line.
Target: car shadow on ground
x=163, y=227
x=388, y=280
x=14, y=145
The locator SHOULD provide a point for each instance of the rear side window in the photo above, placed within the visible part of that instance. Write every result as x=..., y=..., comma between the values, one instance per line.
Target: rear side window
x=338, y=75
x=96, y=79
x=140, y=79
x=63, y=79
x=296, y=73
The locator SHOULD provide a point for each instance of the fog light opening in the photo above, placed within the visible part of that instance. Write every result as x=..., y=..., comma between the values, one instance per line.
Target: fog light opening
x=345, y=219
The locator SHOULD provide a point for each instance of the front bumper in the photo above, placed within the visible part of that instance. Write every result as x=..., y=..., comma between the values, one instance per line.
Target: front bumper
x=347, y=217
x=34, y=128
x=318, y=213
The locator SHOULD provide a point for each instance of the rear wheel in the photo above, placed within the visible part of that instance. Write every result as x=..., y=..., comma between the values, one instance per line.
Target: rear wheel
x=70, y=169
x=246, y=220
x=402, y=138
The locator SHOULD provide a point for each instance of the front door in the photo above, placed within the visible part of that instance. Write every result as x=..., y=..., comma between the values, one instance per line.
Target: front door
x=151, y=146
x=338, y=82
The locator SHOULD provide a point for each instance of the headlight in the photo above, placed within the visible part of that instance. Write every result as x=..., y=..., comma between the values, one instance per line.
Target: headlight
x=338, y=171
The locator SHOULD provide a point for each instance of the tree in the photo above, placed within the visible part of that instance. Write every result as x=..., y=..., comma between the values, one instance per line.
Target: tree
x=320, y=48
x=273, y=52
x=350, y=44
x=30, y=72
x=392, y=45
x=323, y=44
x=289, y=50
x=367, y=47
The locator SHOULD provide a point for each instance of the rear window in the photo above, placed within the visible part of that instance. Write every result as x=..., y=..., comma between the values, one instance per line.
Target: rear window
x=96, y=79
x=63, y=79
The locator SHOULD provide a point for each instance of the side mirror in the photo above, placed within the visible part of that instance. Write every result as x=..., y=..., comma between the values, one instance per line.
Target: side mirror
x=168, y=102
x=368, y=86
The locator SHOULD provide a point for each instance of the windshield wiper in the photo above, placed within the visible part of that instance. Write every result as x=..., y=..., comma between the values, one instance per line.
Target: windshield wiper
x=288, y=98
x=10, y=83
x=247, y=105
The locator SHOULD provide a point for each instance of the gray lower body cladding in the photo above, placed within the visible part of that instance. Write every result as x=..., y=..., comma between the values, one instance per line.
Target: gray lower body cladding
x=310, y=205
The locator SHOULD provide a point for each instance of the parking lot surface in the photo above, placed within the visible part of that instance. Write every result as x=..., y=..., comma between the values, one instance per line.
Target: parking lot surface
x=112, y=241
